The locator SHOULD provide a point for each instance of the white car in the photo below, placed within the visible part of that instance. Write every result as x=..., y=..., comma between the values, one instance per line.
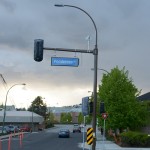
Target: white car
x=81, y=125
x=4, y=130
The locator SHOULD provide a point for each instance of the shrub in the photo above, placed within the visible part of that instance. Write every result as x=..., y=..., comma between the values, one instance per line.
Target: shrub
x=49, y=125
x=135, y=139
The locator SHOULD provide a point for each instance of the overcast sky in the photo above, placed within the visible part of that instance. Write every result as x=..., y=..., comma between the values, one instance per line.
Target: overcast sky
x=123, y=40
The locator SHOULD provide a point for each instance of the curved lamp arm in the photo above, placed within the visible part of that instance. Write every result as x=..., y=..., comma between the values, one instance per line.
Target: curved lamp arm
x=59, y=5
x=6, y=103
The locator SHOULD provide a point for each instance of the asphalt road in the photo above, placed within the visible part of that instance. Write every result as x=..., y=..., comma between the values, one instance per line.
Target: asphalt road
x=44, y=140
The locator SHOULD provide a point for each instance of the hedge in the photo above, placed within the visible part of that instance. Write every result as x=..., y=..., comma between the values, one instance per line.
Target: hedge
x=135, y=139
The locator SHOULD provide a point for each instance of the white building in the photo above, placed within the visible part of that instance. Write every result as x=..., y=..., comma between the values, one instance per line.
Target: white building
x=21, y=118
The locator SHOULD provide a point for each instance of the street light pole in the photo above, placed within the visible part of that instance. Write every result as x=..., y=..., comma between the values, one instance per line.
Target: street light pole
x=32, y=117
x=95, y=53
x=6, y=103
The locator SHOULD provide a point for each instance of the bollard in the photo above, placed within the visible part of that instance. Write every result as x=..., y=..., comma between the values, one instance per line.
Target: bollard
x=9, y=142
x=20, y=140
x=22, y=135
x=14, y=133
x=0, y=144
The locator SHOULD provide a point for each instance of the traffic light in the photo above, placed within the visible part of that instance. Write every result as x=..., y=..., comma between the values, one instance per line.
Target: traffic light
x=38, y=50
x=91, y=107
x=102, y=108
x=85, y=106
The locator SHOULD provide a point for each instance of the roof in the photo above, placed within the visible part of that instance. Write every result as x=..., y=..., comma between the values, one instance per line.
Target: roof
x=144, y=97
x=20, y=116
x=65, y=109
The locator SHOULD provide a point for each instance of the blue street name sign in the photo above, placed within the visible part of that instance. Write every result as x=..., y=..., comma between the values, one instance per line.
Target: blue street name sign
x=64, y=61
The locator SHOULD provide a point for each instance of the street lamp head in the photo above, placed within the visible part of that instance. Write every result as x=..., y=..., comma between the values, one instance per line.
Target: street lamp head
x=89, y=91
x=100, y=69
x=59, y=5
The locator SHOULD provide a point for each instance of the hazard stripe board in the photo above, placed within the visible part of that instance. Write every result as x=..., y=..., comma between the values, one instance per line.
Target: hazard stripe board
x=89, y=136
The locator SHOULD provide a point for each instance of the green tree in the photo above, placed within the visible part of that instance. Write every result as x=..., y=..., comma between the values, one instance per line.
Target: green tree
x=39, y=107
x=88, y=119
x=62, y=118
x=65, y=118
x=80, y=118
x=69, y=117
x=120, y=97
x=21, y=109
x=1, y=106
x=51, y=117
x=49, y=121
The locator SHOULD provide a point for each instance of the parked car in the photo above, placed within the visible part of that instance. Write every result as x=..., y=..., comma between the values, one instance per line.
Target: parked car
x=25, y=129
x=76, y=129
x=13, y=128
x=64, y=133
x=7, y=129
x=40, y=129
x=2, y=130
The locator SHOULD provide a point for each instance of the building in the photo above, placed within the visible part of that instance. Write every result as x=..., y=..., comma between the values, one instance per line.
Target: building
x=73, y=110
x=22, y=118
x=144, y=97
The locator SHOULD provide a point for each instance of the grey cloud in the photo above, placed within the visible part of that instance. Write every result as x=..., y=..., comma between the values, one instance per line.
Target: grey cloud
x=123, y=40
x=127, y=8
x=8, y=5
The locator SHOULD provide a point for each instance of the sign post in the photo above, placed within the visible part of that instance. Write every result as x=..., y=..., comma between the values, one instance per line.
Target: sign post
x=85, y=111
x=83, y=133
x=104, y=116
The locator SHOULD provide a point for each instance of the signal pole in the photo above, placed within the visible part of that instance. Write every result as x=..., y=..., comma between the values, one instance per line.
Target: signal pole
x=38, y=56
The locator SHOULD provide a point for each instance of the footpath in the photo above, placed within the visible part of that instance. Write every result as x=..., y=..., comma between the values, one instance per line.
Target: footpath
x=108, y=145
x=8, y=135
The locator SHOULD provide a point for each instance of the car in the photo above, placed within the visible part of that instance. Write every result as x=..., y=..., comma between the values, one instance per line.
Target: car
x=25, y=129
x=76, y=125
x=13, y=128
x=81, y=125
x=2, y=130
x=76, y=129
x=65, y=133
x=7, y=129
x=40, y=129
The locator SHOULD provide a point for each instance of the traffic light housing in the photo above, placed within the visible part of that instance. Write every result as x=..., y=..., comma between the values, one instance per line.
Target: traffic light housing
x=38, y=50
x=91, y=107
x=102, y=107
